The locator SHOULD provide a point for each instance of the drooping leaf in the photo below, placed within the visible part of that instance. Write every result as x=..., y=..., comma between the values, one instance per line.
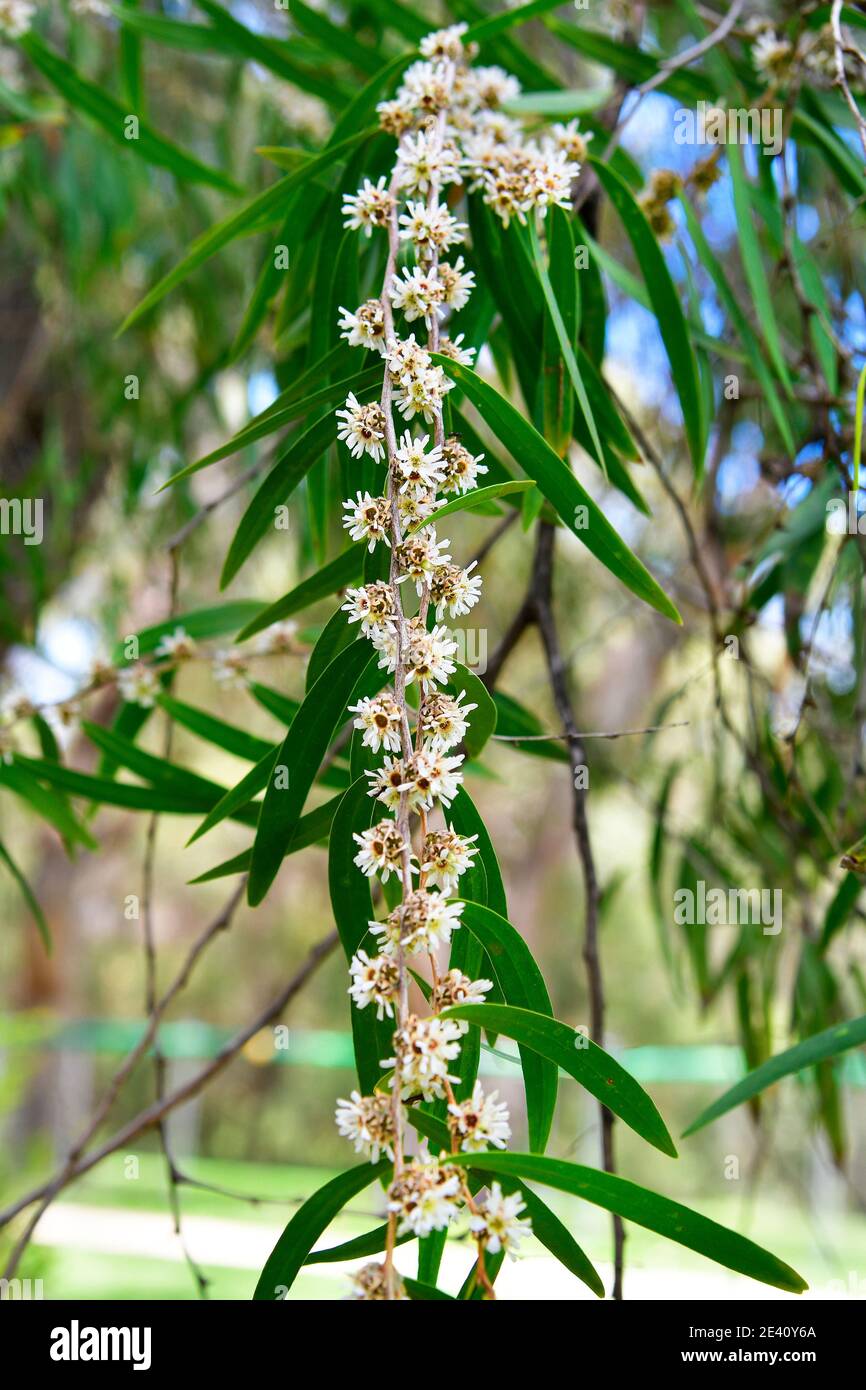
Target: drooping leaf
x=297, y=1240
x=29, y=897
x=352, y=674
x=559, y=485
x=820, y=1048
x=577, y=1054
x=666, y=305
x=647, y=1209
x=346, y=569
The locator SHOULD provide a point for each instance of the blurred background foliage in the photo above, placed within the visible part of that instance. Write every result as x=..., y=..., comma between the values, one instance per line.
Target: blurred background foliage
x=761, y=783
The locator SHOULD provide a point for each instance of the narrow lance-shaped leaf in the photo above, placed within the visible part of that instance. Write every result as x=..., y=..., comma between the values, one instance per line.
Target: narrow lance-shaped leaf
x=645, y=1208
x=583, y=1059
x=28, y=895
x=111, y=116
x=756, y=275
x=666, y=305
x=307, y=1224
x=353, y=672
x=571, y=501
x=523, y=987
x=336, y=574
x=267, y=205
x=830, y=1043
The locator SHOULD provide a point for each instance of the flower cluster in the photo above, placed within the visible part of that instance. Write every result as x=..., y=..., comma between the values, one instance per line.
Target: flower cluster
x=452, y=133
x=779, y=60
x=138, y=680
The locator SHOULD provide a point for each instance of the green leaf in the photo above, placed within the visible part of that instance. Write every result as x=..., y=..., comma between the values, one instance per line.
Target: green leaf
x=819, y=1048
x=274, y=490
x=346, y=569
x=416, y=1290
x=666, y=306
x=464, y=817
x=307, y=1224
x=29, y=897
x=352, y=906
x=111, y=116
x=565, y=345
x=336, y=40
x=523, y=988
x=19, y=777
x=201, y=624
x=756, y=275
x=310, y=830
x=269, y=204
x=647, y=1209
x=469, y=500
x=247, y=44
x=744, y=329
x=287, y=408
x=110, y=793
x=513, y=720
x=352, y=674
x=232, y=802
x=486, y=29
x=216, y=731
x=336, y=635
x=559, y=486
x=482, y=721
x=576, y=1054
x=546, y=1226
x=159, y=771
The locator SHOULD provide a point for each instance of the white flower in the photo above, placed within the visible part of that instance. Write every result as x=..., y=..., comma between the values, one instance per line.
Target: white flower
x=177, y=645
x=419, y=555
x=433, y=776
x=396, y=116
x=443, y=719
x=457, y=988
x=388, y=782
x=422, y=922
x=366, y=327
x=381, y=850
x=480, y=1121
x=230, y=669
x=571, y=140
x=772, y=56
x=428, y=657
x=372, y=606
x=372, y=206
x=16, y=705
x=424, y=1047
x=379, y=717
x=422, y=393
x=368, y=1123
x=421, y=159
x=363, y=428
x=370, y=1284
x=415, y=508
x=98, y=8
x=498, y=1223
x=16, y=16
x=452, y=347
x=427, y=86
x=416, y=467
x=455, y=589
x=418, y=294
x=406, y=358
x=375, y=980
x=461, y=467
x=425, y=1197
x=445, y=856
x=279, y=637
x=138, y=685
x=368, y=519
x=444, y=43
x=430, y=229
x=456, y=282
x=494, y=86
